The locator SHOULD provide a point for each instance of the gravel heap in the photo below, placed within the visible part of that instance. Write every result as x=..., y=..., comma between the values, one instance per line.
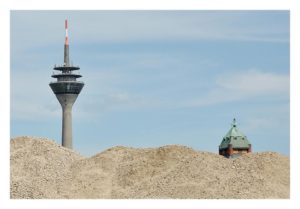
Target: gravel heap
x=43, y=169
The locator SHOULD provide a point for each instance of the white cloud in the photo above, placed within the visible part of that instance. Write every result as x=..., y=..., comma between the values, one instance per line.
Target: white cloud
x=32, y=111
x=254, y=82
x=33, y=99
x=37, y=29
x=244, y=86
x=112, y=101
x=40, y=28
x=31, y=96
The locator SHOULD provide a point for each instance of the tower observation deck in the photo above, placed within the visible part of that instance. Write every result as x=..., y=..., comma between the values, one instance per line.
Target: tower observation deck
x=66, y=89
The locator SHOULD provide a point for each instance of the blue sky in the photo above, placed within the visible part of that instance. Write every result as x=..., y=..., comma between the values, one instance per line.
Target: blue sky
x=155, y=77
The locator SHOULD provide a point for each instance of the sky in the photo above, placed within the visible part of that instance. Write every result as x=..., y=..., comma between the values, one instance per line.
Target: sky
x=154, y=78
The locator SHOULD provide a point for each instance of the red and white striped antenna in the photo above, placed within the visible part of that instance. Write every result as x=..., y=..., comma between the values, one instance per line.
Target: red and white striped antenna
x=66, y=28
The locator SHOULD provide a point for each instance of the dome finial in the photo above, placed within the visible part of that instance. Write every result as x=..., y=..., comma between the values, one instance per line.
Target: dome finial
x=234, y=123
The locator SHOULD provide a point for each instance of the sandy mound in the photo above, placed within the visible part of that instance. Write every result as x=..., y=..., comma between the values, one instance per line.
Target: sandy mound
x=39, y=168
x=43, y=169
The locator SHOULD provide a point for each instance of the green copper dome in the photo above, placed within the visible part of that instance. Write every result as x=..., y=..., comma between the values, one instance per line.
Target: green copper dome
x=234, y=137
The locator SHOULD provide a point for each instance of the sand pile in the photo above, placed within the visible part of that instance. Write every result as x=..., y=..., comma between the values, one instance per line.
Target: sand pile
x=42, y=169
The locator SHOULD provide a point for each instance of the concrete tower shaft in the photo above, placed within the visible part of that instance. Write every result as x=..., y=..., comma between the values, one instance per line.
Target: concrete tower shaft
x=66, y=89
x=66, y=101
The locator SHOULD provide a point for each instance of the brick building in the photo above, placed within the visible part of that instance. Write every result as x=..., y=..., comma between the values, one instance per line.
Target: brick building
x=234, y=143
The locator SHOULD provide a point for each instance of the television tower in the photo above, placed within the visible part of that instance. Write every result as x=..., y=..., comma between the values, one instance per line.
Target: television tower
x=66, y=89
